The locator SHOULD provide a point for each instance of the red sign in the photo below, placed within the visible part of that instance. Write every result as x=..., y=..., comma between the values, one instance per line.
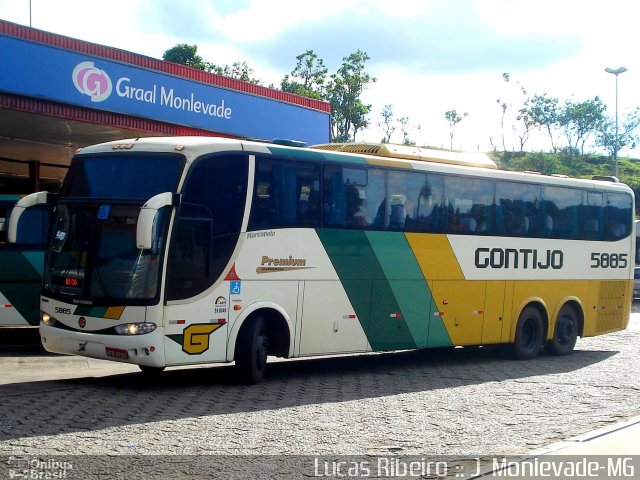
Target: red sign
x=117, y=353
x=232, y=275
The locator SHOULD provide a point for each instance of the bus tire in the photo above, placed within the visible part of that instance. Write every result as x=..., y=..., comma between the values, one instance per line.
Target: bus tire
x=565, y=332
x=529, y=334
x=251, y=350
x=151, y=371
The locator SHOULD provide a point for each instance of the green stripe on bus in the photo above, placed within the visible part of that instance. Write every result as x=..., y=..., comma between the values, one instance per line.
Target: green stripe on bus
x=368, y=289
x=410, y=288
x=20, y=283
x=16, y=268
x=89, y=311
x=317, y=155
x=406, y=281
x=36, y=259
x=179, y=339
x=25, y=298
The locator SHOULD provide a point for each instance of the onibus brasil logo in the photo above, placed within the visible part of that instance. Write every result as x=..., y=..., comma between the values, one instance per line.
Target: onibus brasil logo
x=92, y=81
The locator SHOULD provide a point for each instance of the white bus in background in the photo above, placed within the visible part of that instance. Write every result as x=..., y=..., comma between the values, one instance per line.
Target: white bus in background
x=21, y=262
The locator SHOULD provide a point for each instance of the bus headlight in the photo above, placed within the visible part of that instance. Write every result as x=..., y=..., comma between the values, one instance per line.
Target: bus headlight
x=47, y=319
x=135, y=328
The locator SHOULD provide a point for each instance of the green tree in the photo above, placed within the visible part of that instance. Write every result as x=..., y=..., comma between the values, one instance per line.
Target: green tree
x=543, y=112
x=527, y=124
x=453, y=118
x=504, y=106
x=185, y=54
x=308, y=78
x=237, y=70
x=536, y=162
x=627, y=138
x=521, y=122
x=388, y=123
x=349, y=114
x=406, y=128
x=580, y=120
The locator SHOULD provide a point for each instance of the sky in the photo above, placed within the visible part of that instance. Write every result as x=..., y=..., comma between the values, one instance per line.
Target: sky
x=428, y=56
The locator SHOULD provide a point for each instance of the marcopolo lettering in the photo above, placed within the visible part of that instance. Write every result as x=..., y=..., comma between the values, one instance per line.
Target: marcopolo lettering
x=524, y=258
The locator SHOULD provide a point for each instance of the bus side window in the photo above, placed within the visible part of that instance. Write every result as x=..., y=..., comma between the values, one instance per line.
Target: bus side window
x=429, y=209
x=404, y=188
x=262, y=207
x=547, y=226
x=517, y=209
x=469, y=205
x=308, y=197
x=562, y=205
x=618, y=215
x=207, y=224
x=347, y=197
x=591, y=215
x=286, y=194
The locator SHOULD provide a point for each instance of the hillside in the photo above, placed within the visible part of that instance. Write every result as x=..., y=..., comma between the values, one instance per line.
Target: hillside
x=580, y=166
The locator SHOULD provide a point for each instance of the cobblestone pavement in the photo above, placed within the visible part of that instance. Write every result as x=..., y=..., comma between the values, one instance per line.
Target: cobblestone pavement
x=454, y=402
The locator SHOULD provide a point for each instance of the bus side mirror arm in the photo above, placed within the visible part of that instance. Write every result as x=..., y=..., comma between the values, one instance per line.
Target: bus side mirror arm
x=38, y=198
x=147, y=217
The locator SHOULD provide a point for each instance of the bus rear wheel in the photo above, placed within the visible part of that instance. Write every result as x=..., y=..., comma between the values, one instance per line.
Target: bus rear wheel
x=251, y=350
x=565, y=333
x=529, y=334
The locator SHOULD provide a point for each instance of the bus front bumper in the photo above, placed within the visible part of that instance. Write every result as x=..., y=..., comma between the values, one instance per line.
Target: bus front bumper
x=146, y=350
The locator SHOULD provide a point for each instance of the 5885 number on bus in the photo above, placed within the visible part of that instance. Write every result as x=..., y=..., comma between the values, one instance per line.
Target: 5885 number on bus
x=609, y=260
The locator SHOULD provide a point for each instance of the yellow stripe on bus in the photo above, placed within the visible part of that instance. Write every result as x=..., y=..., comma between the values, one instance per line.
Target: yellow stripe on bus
x=114, y=313
x=435, y=256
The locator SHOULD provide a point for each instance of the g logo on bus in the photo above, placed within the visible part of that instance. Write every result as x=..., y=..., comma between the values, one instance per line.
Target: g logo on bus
x=82, y=322
x=196, y=337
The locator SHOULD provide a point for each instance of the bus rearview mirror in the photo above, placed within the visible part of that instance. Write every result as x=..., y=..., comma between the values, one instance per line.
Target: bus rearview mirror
x=147, y=217
x=31, y=200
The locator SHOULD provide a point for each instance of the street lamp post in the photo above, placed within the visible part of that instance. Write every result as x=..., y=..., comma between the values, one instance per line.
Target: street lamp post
x=616, y=72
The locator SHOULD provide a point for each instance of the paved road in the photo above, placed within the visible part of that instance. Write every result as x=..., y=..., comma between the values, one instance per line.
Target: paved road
x=460, y=402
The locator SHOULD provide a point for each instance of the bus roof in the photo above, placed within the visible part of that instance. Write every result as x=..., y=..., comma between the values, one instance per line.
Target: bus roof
x=397, y=156
x=408, y=152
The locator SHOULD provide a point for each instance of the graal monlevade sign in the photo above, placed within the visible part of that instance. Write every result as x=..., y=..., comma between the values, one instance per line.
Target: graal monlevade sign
x=51, y=73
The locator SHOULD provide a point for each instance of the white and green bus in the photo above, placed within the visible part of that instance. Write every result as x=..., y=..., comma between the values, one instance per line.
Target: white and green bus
x=21, y=262
x=179, y=251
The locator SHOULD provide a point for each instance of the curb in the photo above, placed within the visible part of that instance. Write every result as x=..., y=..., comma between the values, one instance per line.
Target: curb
x=582, y=439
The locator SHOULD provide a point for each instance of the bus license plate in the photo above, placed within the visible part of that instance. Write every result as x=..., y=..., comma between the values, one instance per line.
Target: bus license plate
x=117, y=353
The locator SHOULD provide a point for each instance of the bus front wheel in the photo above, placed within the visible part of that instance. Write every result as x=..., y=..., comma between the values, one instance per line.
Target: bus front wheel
x=251, y=350
x=565, y=333
x=529, y=334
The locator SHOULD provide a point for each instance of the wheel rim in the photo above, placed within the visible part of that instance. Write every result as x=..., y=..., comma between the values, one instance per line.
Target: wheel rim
x=565, y=330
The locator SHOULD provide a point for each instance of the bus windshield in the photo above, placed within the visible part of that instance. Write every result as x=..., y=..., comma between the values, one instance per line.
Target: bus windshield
x=92, y=253
x=122, y=177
